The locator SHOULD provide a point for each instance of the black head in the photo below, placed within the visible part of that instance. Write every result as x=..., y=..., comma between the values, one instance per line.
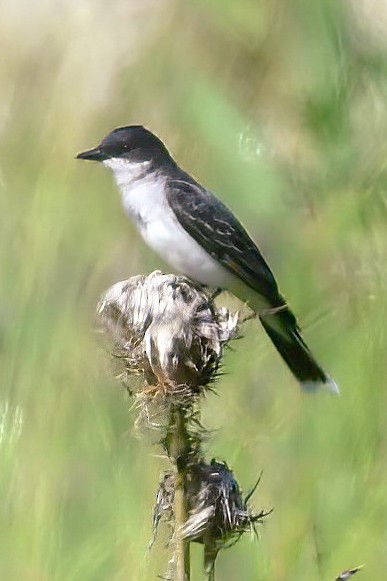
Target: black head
x=134, y=143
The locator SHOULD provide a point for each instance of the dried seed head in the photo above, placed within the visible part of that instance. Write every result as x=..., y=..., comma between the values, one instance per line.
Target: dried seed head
x=167, y=328
x=218, y=512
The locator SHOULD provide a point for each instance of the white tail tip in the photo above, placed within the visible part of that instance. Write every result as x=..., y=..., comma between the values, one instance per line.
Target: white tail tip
x=329, y=385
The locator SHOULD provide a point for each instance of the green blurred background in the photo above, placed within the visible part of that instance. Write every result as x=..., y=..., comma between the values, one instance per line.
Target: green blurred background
x=280, y=107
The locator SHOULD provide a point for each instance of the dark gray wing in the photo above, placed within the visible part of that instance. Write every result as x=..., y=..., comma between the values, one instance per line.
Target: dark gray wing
x=219, y=232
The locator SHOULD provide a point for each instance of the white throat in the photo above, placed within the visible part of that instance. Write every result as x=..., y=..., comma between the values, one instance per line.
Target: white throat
x=126, y=172
x=142, y=190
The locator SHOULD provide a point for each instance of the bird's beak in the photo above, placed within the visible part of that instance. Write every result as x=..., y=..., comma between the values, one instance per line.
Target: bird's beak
x=95, y=154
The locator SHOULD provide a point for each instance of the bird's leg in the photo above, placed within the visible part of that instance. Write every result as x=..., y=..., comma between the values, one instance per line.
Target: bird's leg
x=273, y=310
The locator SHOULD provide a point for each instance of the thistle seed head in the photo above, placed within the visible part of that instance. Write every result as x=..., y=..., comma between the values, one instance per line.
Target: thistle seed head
x=168, y=329
x=218, y=512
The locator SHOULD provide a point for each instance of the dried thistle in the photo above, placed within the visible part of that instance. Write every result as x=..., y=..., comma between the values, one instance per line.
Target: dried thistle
x=167, y=328
x=218, y=513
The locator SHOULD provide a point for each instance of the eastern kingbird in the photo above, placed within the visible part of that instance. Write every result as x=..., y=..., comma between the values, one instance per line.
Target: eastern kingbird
x=201, y=238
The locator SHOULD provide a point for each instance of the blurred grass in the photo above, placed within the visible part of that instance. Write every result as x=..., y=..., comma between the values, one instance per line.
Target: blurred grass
x=280, y=108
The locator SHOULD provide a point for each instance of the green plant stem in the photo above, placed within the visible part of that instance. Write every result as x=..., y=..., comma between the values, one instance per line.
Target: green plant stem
x=181, y=545
x=178, y=448
x=210, y=554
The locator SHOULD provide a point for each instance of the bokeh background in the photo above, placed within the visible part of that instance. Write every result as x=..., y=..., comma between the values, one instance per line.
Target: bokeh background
x=280, y=108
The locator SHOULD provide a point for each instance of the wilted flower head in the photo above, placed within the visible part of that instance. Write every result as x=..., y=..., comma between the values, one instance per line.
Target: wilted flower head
x=218, y=512
x=167, y=328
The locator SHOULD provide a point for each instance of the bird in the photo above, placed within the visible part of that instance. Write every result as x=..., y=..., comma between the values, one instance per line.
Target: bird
x=200, y=237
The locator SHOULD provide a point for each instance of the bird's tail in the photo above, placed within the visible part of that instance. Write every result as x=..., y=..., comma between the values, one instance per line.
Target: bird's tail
x=281, y=326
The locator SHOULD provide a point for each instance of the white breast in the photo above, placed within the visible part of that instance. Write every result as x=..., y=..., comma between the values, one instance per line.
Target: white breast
x=145, y=202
